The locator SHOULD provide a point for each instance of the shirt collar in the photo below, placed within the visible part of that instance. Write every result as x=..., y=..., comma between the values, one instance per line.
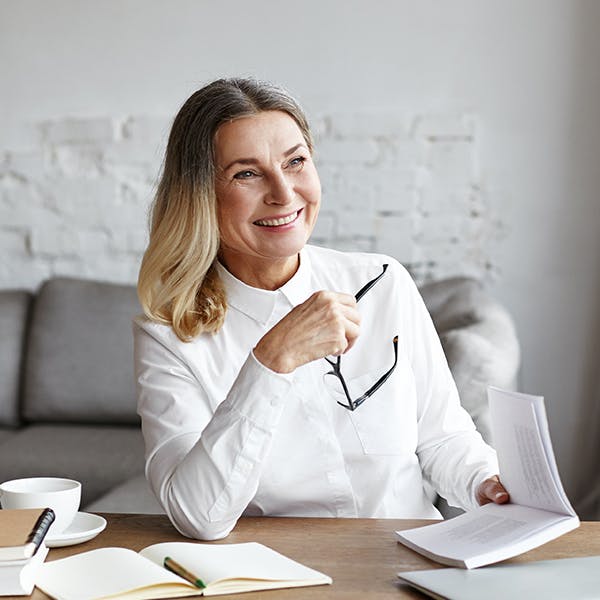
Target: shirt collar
x=259, y=304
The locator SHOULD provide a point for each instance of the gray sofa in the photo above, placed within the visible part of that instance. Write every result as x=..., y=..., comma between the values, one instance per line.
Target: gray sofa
x=67, y=401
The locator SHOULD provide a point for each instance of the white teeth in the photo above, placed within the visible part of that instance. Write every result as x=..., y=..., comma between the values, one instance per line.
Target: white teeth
x=276, y=222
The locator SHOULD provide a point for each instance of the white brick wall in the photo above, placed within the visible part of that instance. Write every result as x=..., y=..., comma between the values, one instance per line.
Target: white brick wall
x=74, y=194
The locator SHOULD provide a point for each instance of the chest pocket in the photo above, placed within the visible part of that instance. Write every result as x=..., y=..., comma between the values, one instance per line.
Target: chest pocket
x=377, y=422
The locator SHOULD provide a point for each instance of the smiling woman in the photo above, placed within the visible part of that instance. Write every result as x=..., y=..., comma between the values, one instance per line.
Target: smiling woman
x=246, y=404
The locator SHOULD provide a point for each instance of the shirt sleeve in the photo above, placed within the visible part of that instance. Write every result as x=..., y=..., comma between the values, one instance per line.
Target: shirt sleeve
x=203, y=464
x=452, y=454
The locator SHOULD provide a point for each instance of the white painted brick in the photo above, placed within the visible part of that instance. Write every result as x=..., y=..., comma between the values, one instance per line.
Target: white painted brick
x=128, y=241
x=453, y=262
x=401, y=154
x=13, y=242
x=423, y=175
x=420, y=272
x=70, y=266
x=73, y=161
x=440, y=127
x=134, y=173
x=359, y=186
x=123, y=216
x=26, y=165
x=92, y=242
x=325, y=228
x=395, y=189
x=85, y=202
x=53, y=241
x=375, y=123
x=134, y=152
x=347, y=151
x=153, y=129
x=15, y=192
x=394, y=236
x=440, y=200
x=122, y=270
x=4, y=160
x=438, y=230
x=21, y=206
x=75, y=131
x=332, y=201
x=137, y=241
x=320, y=127
x=395, y=199
x=29, y=216
x=354, y=244
x=26, y=272
x=356, y=223
x=139, y=193
x=329, y=175
x=9, y=179
x=452, y=162
x=20, y=137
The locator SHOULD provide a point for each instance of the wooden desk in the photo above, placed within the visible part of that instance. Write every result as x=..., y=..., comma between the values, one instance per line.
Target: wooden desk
x=361, y=555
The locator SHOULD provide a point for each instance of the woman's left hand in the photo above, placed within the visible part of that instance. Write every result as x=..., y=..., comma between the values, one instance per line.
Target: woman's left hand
x=491, y=490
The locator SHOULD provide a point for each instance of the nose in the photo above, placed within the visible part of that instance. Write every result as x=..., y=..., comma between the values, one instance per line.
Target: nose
x=280, y=190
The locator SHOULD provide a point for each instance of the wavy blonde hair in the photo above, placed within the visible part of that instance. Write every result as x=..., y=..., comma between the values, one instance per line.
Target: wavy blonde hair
x=178, y=283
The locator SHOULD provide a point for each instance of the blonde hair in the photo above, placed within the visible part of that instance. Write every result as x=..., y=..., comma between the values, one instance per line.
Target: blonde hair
x=178, y=283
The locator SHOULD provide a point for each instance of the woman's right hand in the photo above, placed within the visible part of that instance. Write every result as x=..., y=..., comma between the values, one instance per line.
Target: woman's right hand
x=326, y=324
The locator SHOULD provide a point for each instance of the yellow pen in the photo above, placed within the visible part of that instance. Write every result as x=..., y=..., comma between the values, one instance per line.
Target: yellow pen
x=176, y=568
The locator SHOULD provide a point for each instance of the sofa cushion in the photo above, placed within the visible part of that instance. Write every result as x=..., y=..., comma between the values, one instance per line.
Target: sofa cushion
x=101, y=457
x=79, y=360
x=132, y=496
x=6, y=434
x=479, y=340
x=14, y=307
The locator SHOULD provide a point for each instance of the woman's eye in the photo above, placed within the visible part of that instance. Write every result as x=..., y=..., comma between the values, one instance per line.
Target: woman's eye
x=297, y=162
x=244, y=175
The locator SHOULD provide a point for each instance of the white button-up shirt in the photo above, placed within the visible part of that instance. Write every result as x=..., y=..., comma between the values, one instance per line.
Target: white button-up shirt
x=226, y=436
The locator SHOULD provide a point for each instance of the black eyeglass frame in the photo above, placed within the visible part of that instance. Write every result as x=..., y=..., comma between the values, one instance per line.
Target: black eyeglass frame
x=336, y=364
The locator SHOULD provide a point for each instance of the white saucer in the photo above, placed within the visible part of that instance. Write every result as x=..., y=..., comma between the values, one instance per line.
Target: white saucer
x=84, y=527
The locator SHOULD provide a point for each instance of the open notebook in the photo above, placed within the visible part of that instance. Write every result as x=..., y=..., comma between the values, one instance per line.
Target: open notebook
x=221, y=568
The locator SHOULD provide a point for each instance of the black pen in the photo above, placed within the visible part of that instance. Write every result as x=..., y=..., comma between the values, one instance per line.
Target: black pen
x=176, y=568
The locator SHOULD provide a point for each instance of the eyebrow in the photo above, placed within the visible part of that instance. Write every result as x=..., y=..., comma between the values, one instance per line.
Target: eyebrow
x=253, y=161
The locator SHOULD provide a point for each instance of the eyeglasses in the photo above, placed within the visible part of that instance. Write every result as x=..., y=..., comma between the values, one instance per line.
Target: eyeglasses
x=334, y=378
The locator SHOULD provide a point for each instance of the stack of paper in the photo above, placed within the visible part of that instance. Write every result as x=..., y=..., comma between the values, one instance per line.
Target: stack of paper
x=539, y=509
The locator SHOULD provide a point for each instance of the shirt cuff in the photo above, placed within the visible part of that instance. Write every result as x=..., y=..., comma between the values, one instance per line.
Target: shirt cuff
x=258, y=393
x=478, y=480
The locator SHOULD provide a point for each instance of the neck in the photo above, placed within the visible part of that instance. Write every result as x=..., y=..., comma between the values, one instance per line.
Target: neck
x=265, y=274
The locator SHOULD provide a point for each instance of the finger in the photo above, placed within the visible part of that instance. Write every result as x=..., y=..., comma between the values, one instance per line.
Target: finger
x=346, y=299
x=351, y=314
x=352, y=333
x=491, y=490
x=331, y=308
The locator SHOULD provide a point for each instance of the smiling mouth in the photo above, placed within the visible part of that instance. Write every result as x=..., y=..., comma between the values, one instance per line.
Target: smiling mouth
x=278, y=222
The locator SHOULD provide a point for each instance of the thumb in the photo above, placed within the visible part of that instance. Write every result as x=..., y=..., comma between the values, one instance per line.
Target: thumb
x=491, y=490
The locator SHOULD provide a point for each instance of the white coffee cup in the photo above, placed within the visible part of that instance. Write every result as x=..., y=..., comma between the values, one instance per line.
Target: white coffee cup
x=61, y=495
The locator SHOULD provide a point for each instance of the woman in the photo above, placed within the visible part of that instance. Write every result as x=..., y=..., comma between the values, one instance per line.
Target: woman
x=247, y=406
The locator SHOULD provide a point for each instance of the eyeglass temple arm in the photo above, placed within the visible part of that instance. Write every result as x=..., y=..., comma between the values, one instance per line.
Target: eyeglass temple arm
x=363, y=290
x=356, y=403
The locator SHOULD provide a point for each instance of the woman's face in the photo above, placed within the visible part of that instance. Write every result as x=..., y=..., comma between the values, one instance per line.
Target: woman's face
x=268, y=195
